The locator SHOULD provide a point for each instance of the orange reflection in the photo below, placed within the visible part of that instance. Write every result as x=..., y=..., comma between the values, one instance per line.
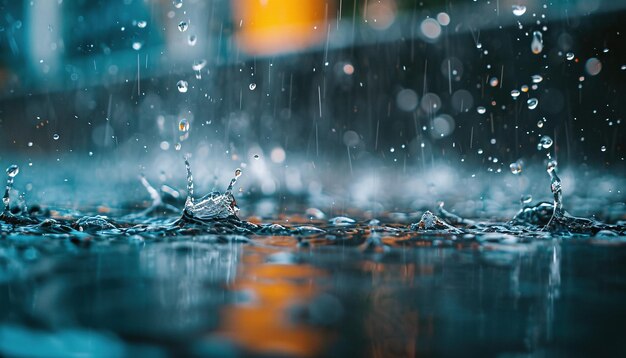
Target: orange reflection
x=274, y=26
x=265, y=325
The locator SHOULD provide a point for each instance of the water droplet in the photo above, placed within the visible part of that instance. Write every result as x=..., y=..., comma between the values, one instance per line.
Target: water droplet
x=237, y=173
x=519, y=10
x=515, y=93
x=545, y=142
x=603, y=148
x=56, y=136
x=532, y=103
x=540, y=124
x=198, y=65
x=13, y=170
x=30, y=144
x=552, y=165
x=481, y=110
x=183, y=125
x=537, y=78
x=137, y=45
x=142, y=24
x=256, y=156
x=177, y=146
x=526, y=199
x=536, y=45
x=516, y=167
x=192, y=39
x=392, y=149
x=623, y=68
x=178, y=3
x=182, y=86
x=183, y=26
x=569, y=56
x=252, y=86
x=593, y=66
x=493, y=82
x=524, y=88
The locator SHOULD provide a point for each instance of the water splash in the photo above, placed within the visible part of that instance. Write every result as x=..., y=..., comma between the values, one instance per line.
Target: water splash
x=12, y=171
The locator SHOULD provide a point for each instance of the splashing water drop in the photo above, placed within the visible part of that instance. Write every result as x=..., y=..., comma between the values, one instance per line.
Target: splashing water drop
x=183, y=86
x=536, y=46
x=532, y=103
x=178, y=3
x=183, y=125
x=252, y=86
x=516, y=167
x=545, y=142
x=519, y=10
x=183, y=26
x=481, y=110
x=12, y=171
x=526, y=199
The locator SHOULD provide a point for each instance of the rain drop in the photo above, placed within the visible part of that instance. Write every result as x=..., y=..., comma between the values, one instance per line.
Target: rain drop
x=481, y=110
x=532, y=103
x=515, y=93
x=178, y=3
x=182, y=86
x=526, y=199
x=13, y=170
x=519, y=10
x=252, y=86
x=256, y=156
x=183, y=26
x=183, y=125
x=540, y=124
x=536, y=45
x=516, y=167
x=142, y=24
x=56, y=136
x=545, y=142
x=192, y=39
x=569, y=56
x=537, y=78
x=603, y=148
x=137, y=45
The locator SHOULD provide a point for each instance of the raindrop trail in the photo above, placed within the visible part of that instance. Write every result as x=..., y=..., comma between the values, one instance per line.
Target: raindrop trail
x=449, y=78
x=138, y=77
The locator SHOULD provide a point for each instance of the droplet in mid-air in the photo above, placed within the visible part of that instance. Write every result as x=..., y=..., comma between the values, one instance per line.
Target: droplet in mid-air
x=569, y=56
x=183, y=26
x=536, y=46
x=192, y=39
x=183, y=125
x=56, y=136
x=177, y=3
x=198, y=65
x=524, y=88
x=137, y=45
x=182, y=86
x=177, y=146
x=252, y=86
x=537, y=78
x=142, y=24
x=526, y=199
x=256, y=156
x=516, y=167
x=13, y=170
x=519, y=10
x=481, y=110
x=493, y=82
x=552, y=165
x=545, y=142
x=603, y=148
x=532, y=103
x=515, y=93
x=237, y=173
x=540, y=123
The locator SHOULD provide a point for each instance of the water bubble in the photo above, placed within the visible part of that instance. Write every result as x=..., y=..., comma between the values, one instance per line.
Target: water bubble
x=593, y=66
x=252, y=86
x=142, y=24
x=406, y=100
x=519, y=10
x=177, y=3
x=545, y=142
x=443, y=19
x=515, y=93
x=569, y=56
x=430, y=29
x=516, y=167
x=192, y=39
x=537, y=78
x=536, y=45
x=183, y=86
x=532, y=103
x=56, y=136
x=183, y=26
x=13, y=170
x=603, y=148
x=183, y=125
x=526, y=199
x=137, y=45
x=481, y=110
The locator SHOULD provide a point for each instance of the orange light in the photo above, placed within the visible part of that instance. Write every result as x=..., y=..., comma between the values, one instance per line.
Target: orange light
x=274, y=26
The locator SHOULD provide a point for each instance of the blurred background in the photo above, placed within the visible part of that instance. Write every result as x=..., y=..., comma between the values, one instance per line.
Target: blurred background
x=381, y=105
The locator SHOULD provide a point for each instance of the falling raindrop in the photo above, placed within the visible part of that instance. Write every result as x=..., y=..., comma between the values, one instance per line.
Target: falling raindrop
x=537, y=78
x=13, y=170
x=252, y=86
x=515, y=93
x=569, y=56
x=481, y=110
x=183, y=26
x=536, y=45
x=603, y=148
x=177, y=3
x=516, y=167
x=545, y=142
x=519, y=10
x=540, y=124
x=178, y=146
x=192, y=39
x=137, y=45
x=493, y=82
x=183, y=125
x=142, y=24
x=56, y=136
x=182, y=86
x=524, y=88
x=532, y=103
x=256, y=156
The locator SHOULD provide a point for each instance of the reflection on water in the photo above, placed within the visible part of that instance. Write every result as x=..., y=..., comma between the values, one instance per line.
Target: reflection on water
x=193, y=296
